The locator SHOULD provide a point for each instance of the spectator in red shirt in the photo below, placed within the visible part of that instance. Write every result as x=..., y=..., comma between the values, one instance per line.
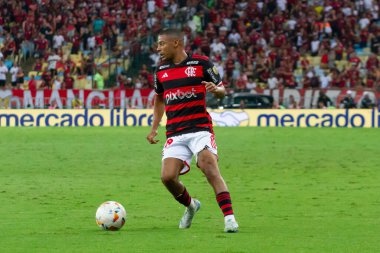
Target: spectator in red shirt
x=372, y=62
x=305, y=63
x=32, y=84
x=41, y=45
x=9, y=46
x=355, y=60
x=352, y=75
x=279, y=39
x=68, y=82
x=339, y=48
x=46, y=77
x=324, y=59
x=144, y=73
x=241, y=83
x=278, y=20
x=38, y=65
x=337, y=79
x=371, y=78
x=230, y=65
x=197, y=41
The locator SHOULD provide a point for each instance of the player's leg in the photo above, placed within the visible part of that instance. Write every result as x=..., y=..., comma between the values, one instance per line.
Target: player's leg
x=207, y=161
x=171, y=168
x=174, y=160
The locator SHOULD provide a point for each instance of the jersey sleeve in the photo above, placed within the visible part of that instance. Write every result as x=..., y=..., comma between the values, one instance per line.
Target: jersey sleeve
x=211, y=73
x=157, y=85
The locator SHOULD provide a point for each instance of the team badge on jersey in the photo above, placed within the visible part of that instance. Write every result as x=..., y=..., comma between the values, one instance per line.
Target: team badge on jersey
x=190, y=71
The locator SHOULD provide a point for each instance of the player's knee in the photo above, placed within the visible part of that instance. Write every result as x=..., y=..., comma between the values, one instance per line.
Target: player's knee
x=206, y=165
x=209, y=168
x=212, y=173
x=206, y=162
x=167, y=179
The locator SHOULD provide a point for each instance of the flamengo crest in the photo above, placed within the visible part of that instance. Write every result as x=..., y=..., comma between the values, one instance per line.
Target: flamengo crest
x=190, y=71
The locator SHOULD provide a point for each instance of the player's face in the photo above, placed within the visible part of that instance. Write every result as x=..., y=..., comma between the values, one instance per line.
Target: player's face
x=165, y=47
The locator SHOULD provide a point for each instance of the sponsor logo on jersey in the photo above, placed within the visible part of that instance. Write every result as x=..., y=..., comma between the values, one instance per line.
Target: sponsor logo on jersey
x=164, y=66
x=210, y=71
x=178, y=94
x=190, y=71
x=192, y=62
x=165, y=75
x=155, y=81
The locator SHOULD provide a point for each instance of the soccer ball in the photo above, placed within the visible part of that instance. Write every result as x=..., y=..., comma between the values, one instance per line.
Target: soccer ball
x=110, y=215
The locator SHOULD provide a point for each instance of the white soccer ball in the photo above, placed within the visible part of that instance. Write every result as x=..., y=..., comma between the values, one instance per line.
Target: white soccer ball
x=110, y=215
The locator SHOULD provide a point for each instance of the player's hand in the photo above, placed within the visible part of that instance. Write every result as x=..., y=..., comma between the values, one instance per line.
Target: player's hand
x=151, y=136
x=210, y=86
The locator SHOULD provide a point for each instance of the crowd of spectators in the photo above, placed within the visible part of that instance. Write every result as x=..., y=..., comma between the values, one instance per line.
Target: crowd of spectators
x=253, y=44
x=293, y=44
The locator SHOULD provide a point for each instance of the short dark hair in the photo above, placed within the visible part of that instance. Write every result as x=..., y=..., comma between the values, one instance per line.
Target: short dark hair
x=171, y=32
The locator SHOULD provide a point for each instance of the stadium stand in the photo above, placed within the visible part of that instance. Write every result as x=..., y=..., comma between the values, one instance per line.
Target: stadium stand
x=303, y=44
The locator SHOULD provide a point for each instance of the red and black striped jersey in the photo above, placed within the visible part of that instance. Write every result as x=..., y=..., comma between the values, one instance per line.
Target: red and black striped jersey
x=185, y=95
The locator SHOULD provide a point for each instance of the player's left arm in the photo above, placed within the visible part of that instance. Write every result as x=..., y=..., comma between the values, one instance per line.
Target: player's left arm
x=212, y=80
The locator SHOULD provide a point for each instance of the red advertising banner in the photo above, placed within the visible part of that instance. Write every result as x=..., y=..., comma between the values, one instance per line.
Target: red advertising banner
x=115, y=98
x=307, y=98
x=143, y=98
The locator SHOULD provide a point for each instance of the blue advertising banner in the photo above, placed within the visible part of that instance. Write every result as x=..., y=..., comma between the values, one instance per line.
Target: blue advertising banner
x=229, y=118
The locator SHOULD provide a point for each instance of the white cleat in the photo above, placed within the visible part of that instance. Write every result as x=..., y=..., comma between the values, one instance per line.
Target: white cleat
x=188, y=216
x=230, y=225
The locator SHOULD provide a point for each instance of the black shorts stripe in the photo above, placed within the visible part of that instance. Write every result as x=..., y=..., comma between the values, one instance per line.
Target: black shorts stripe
x=199, y=97
x=186, y=111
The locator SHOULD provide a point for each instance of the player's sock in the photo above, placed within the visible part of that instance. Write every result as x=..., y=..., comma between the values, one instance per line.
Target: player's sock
x=225, y=204
x=184, y=198
x=224, y=201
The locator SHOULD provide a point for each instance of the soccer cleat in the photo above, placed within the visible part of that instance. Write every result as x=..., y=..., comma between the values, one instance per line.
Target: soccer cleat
x=188, y=216
x=230, y=226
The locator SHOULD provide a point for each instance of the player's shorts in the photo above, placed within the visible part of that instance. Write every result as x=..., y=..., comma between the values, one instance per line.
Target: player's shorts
x=185, y=146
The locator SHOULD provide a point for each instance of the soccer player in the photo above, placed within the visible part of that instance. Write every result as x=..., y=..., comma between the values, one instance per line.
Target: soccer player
x=181, y=83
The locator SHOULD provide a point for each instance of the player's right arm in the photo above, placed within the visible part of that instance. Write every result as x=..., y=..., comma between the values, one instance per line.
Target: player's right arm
x=158, y=110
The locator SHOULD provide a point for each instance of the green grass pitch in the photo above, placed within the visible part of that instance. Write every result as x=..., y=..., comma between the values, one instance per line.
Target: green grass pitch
x=293, y=190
